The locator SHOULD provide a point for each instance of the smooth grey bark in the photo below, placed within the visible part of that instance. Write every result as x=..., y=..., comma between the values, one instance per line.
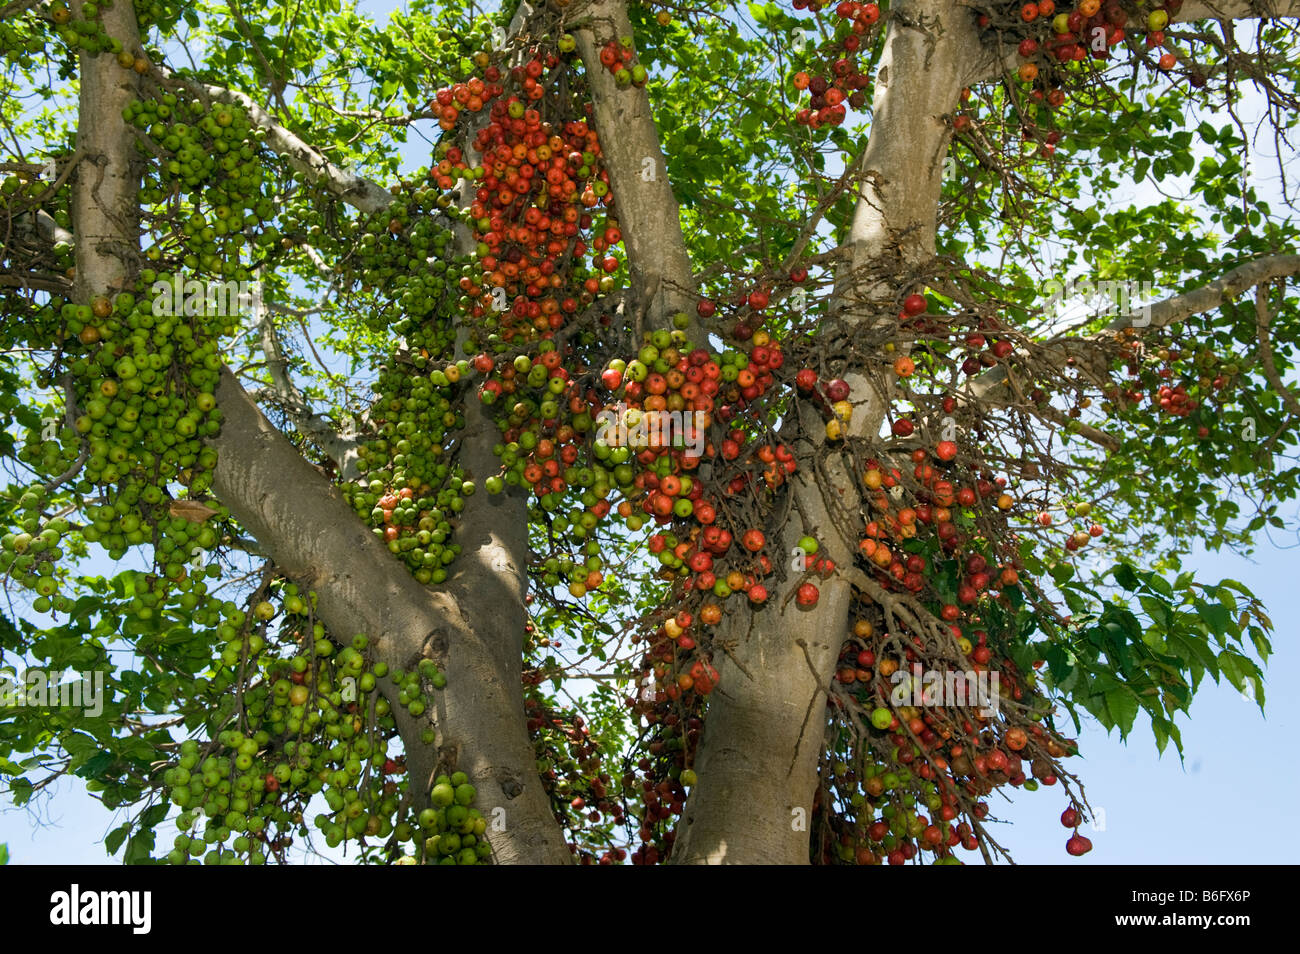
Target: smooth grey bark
x=1237, y=10
x=644, y=204
x=104, y=207
x=762, y=740
x=1169, y=311
x=305, y=526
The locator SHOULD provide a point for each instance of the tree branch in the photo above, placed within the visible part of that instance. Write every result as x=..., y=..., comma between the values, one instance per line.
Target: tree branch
x=645, y=206
x=1237, y=10
x=1170, y=311
x=342, y=450
x=50, y=230
x=104, y=194
x=1262, y=319
x=303, y=523
x=994, y=62
x=358, y=191
x=1211, y=296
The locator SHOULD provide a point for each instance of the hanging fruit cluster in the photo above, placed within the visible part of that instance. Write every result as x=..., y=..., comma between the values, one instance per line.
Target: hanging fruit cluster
x=291, y=719
x=839, y=82
x=518, y=286
x=1205, y=378
x=412, y=494
x=585, y=800
x=137, y=405
x=927, y=728
x=1050, y=37
x=617, y=56
x=527, y=223
x=139, y=368
x=409, y=491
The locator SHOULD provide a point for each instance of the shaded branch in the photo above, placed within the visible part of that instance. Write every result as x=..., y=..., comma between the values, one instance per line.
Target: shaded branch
x=646, y=208
x=1267, y=365
x=1170, y=311
x=358, y=191
x=341, y=449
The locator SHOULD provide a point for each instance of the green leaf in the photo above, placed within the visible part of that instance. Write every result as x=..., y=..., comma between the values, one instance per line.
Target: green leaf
x=1243, y=674
x=153, y=815
x=1160, y=585
x=1217, y=617
x=116, y=837
x=139, y=850
x=1125, y=577
x=1122, y=704
x=1194, y=648
x=1157, y=610
x=1058, y=663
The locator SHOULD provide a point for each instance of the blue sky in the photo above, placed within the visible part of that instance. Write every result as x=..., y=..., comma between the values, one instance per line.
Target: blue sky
x=1156, y=810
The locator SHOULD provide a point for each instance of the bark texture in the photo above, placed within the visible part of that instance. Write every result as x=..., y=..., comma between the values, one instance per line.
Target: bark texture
x=758, y=756
x=1237, y=9
x=311, y=533
x=104, y=207
x=644, y=203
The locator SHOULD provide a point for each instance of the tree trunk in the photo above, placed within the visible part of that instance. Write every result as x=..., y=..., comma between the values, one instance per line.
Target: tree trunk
x=644, y=204
x=759, y=752
x=104, y=194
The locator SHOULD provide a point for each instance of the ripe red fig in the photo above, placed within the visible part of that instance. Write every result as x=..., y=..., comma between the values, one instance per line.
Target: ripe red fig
x=1078, y=845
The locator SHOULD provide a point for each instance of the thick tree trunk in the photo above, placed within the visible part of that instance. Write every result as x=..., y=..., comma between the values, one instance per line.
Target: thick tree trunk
x=759, y=752
x=104, y=205
x=644, y=204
